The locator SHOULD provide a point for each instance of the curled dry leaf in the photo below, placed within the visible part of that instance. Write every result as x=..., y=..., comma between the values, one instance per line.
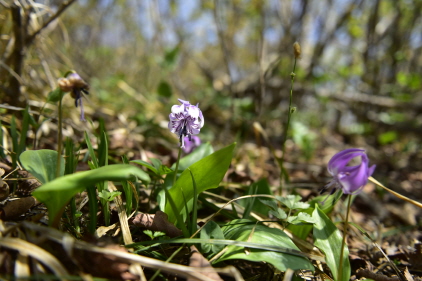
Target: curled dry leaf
x=198, y=260
x=156, y=222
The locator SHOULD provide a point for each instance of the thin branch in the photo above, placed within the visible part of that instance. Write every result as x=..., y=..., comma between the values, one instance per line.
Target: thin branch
x=62, y=8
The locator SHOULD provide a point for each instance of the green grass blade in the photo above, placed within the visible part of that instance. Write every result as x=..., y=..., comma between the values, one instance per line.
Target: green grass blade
x=195, y=206
x=93, y=207
x=259, y=246
x=14, y=135
x=91, y=151
x=127, y=189
x=24, y=131
x=2, y=154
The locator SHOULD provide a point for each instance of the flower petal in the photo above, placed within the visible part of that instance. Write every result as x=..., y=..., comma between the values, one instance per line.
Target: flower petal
x=341, y=159
x=353, y=180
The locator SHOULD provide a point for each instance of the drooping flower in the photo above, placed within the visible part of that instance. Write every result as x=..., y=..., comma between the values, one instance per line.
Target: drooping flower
x=350, y=179
x=185, y=120
x=191, y=144
x=74, y=84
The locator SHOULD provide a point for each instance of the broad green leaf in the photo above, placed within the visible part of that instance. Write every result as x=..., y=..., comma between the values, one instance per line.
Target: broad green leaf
x=199, y=153
x=240, y=230
x=328, y=239
x=42, y=164
x=302, y=231
x=211, y=231
x=55, y=194
x=208, y=174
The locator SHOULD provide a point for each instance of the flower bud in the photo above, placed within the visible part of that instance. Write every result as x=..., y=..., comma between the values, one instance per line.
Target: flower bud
x=296, y=49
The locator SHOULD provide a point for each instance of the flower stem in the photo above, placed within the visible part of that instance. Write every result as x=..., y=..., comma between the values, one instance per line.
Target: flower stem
x=343, y=242
x=59, y=139
x=286, y=128
x=177, y=165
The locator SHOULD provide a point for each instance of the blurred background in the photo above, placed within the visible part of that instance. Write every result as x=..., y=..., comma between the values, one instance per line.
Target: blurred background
x=358, y=81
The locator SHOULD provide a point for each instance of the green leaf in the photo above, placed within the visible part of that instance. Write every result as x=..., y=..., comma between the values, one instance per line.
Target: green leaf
x=91, y=151
x=211, y=231
x=108, y=195
x=164, y=89
x=55, y=194
x=55, y=95
x=147, y=165
x=24, y=131
x=302, y=231
x=254, y=204
x=300, y=218
x=278, y=213
x=271, y=204
x=292, y=202
x=14, y=135
x=328, y=239
x=240, y=230
x=2, y=154
x=42, y=164
x=208, y=174
x=199, y=153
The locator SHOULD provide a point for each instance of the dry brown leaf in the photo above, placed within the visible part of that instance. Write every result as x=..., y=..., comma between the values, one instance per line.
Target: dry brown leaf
x=198, y=260
x=15, y=208
x=407, y=275
x=156, y=222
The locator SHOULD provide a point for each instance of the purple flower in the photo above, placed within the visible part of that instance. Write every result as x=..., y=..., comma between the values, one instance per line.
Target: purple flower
x=185, y=120
x=350, y=179
x=190, y=145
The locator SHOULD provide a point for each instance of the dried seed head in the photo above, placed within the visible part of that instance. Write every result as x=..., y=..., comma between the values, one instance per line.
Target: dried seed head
x=297, y=51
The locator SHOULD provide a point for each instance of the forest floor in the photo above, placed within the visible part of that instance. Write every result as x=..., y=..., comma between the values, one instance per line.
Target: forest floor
x=393, y=224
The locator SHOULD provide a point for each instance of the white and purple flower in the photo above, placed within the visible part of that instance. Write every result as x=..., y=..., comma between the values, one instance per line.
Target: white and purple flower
x=185, y=120
x=350, y=179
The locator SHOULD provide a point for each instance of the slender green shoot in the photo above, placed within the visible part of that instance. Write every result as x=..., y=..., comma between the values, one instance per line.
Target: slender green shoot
x=93, y=207
x=343, y=242
x=177, y=165
x=70, y=167
x=59, y=137
x=283, y=173
x=193, y=226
